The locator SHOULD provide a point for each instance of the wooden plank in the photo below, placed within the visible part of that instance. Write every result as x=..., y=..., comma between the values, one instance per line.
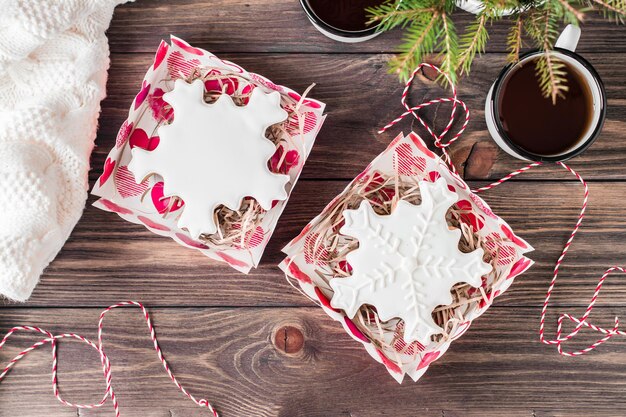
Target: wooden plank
x=281, y=26
x=230, y=356
x=108, y=259
x=348, y=141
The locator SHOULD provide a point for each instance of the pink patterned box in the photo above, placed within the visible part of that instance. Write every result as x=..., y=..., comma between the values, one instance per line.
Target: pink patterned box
x=145, y=203
x=318, y=255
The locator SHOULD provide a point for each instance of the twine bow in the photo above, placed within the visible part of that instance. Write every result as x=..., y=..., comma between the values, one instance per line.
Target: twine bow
x=413, y=111
x=439, y=143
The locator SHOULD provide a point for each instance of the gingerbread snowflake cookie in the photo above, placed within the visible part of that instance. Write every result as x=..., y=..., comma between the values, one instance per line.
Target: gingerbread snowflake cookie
x=214, y=154
x=406, y=262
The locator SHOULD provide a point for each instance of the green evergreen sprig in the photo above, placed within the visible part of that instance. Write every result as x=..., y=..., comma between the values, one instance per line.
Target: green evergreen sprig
x=428, y=28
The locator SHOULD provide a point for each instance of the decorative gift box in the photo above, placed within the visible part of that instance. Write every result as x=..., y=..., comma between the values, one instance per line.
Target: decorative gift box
x=406, y=257
x=209, y=154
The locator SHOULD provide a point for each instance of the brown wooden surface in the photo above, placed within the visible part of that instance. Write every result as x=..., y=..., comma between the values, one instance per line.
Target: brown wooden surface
x=256, y=347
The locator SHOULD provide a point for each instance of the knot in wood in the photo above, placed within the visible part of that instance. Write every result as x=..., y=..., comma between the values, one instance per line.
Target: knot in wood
x=289, y=339
x=428, y=73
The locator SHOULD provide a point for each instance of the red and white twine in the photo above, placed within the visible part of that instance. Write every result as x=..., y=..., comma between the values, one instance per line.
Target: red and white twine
x=581, y=322
x=413, y=111
x=106, y=364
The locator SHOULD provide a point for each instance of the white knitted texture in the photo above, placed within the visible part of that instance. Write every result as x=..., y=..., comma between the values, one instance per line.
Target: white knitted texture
x=53, y=62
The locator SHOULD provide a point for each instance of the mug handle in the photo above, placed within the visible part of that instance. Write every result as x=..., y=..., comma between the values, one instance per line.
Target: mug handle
x=568, y=38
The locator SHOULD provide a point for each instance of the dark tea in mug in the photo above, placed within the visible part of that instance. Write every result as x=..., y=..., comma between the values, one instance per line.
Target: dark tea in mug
x=534, y=122
x=529, y=126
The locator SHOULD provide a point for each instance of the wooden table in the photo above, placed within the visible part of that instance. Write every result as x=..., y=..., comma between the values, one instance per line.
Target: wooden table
x=256, y=347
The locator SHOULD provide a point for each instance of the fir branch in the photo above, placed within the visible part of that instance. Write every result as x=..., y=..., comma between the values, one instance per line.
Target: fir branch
x=550, y=70
x=473, y=42
x=391, y=16
x=428, y=27
x=564, y=9
x=572, y=14
x=612, y=8
x=419, y=41
x=551, y=73
x=514, y=40
x=449, y=46
x=531, y=27
x=497, y=6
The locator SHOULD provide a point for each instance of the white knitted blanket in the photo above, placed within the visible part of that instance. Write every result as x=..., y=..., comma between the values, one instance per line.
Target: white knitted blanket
x=53, y=62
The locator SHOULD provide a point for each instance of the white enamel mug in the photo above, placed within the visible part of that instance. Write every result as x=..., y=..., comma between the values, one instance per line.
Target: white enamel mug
x=563, y=50
x=337, y=34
